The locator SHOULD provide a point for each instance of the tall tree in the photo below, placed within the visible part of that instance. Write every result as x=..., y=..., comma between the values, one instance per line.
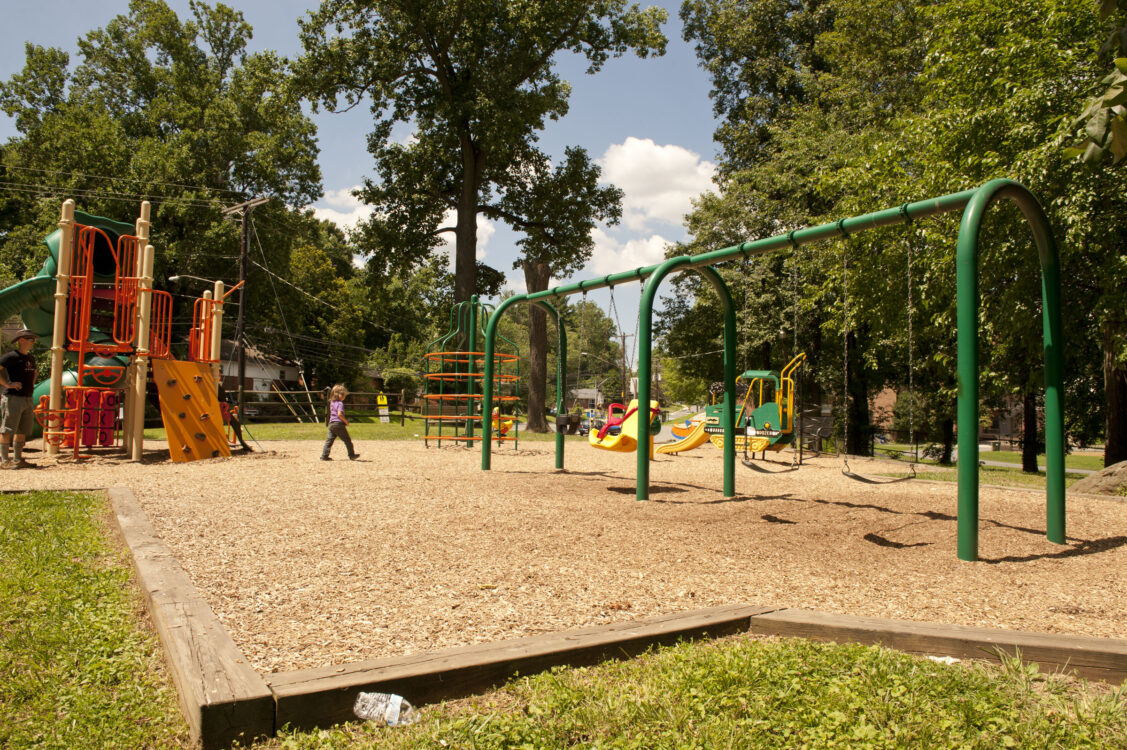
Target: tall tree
x=175, y=111
x=557, y=208
x=802, y=87
x=999, y=80
x=1105, y=116
x=474, y=80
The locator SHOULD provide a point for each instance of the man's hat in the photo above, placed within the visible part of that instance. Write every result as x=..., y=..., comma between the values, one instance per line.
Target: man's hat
x=25, y=333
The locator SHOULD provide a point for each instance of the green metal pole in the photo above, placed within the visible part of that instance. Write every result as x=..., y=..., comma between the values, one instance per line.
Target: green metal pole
x=886, y=217
x=561, y=372
x=645, y=356
x=645, y=336
x=966, y=313
x=487, y=376
x=1053, y=344
x=728, y=415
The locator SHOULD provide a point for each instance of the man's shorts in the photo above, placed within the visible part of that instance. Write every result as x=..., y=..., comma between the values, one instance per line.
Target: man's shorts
x=17, y=415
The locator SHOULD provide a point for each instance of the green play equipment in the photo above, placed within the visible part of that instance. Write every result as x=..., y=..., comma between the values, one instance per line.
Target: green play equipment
x=452, y=378
x=973, y=204
x=765, y=420
x=33, y=299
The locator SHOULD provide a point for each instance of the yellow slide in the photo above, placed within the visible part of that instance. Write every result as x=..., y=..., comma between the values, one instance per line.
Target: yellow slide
x=625, y=441
x=695, y=438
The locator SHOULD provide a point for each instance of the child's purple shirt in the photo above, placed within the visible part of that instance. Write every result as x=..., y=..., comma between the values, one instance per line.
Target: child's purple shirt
x=336, y=411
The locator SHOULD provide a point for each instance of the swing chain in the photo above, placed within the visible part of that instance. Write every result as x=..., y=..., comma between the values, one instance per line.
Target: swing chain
x=911, y=362
x=845, y=351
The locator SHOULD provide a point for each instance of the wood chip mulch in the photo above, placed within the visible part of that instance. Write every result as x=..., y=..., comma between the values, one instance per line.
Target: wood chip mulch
x=310, y=563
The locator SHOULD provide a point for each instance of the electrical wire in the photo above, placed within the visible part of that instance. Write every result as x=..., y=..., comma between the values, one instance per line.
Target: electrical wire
x=290, y=283
x=123, y=179
x=57, y=190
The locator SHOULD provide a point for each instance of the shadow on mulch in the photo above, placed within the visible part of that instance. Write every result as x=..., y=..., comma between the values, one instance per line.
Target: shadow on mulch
x=1089, y=547
x=880, y=541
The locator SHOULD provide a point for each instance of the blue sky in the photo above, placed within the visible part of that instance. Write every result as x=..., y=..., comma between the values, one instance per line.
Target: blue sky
x=648, y=122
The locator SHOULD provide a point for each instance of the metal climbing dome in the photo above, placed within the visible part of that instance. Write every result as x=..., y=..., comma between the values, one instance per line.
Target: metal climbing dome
x=454, y=372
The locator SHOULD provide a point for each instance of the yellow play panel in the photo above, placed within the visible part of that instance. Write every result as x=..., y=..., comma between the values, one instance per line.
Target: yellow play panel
x=189, y=409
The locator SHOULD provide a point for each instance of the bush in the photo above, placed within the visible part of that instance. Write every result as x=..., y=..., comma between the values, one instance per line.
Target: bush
x=396, y=379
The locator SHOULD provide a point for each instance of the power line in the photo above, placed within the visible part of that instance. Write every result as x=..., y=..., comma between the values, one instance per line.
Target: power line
x=123, y=179
x=56, y=190
x=289, y=283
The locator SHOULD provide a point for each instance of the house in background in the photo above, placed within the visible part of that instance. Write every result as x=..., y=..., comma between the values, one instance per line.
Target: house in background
x=263, y=371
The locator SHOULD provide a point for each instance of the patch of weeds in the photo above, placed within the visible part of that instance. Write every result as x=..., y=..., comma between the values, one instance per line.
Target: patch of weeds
x=77, y=670
x=747, y=693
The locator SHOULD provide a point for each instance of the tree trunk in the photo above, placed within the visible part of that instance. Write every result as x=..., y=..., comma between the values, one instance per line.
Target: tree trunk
x=536, y=277
x=465, y=246
x=1115, y=387
x=948, y=440
x=857, y=404
x=1029, y=433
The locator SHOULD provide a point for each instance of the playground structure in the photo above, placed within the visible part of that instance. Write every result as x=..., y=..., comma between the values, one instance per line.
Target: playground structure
x=627, y=418
x=453, y=373
x=973, y=204
x=765, y=420
x=94, y=299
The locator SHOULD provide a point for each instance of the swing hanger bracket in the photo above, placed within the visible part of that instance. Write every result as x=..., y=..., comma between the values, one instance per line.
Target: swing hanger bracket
x=904, y=212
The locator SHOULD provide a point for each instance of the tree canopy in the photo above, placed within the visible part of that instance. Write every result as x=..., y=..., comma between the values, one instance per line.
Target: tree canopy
x=837, y=107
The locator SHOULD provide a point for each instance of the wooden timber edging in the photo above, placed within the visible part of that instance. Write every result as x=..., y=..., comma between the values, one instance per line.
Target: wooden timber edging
x=1102, y=659
x=226, y=702
x=320, y=697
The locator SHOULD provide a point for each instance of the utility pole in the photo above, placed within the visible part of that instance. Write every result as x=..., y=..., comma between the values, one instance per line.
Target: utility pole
x=244, y=210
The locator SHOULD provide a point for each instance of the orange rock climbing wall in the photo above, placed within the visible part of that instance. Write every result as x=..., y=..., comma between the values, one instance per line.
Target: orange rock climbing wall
x=190, y=410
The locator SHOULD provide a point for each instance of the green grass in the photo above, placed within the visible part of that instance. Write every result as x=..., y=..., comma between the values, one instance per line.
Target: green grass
x=744, y=693
x=903, y=452
x=1092, y=461
x=999, y=475
x=77, y=670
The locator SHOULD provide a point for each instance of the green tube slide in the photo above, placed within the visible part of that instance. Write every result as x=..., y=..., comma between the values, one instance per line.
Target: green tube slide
x=33, y=299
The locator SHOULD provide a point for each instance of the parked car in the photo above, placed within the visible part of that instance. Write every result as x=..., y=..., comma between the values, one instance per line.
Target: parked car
x=586, y=425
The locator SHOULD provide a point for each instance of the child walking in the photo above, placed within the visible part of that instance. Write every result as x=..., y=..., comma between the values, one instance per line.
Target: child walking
x=338, y=425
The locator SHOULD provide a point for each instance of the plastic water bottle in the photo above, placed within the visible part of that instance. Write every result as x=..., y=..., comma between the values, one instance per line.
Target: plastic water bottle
x=385, y=709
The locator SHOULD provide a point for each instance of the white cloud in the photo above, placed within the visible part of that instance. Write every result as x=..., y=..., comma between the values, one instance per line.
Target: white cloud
x=485, y=230
x=659, y=182
x=516, y=284
x=612, y=255
x=344, y=209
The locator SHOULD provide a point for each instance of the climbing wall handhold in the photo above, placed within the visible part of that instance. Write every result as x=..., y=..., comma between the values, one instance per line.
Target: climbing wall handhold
x=187, y=399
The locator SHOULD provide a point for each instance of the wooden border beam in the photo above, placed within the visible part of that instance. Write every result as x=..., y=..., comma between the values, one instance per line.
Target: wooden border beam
x=321, y=697
x=224, y=700
x=1102, y=659
x=227, y=702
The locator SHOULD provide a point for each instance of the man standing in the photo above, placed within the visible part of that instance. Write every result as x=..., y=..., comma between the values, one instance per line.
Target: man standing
x=17, y=378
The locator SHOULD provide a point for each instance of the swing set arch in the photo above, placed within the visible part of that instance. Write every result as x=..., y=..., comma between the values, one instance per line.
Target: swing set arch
x=973, y=203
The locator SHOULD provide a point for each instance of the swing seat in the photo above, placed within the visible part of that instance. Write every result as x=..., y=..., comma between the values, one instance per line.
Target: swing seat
x=626, y=441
